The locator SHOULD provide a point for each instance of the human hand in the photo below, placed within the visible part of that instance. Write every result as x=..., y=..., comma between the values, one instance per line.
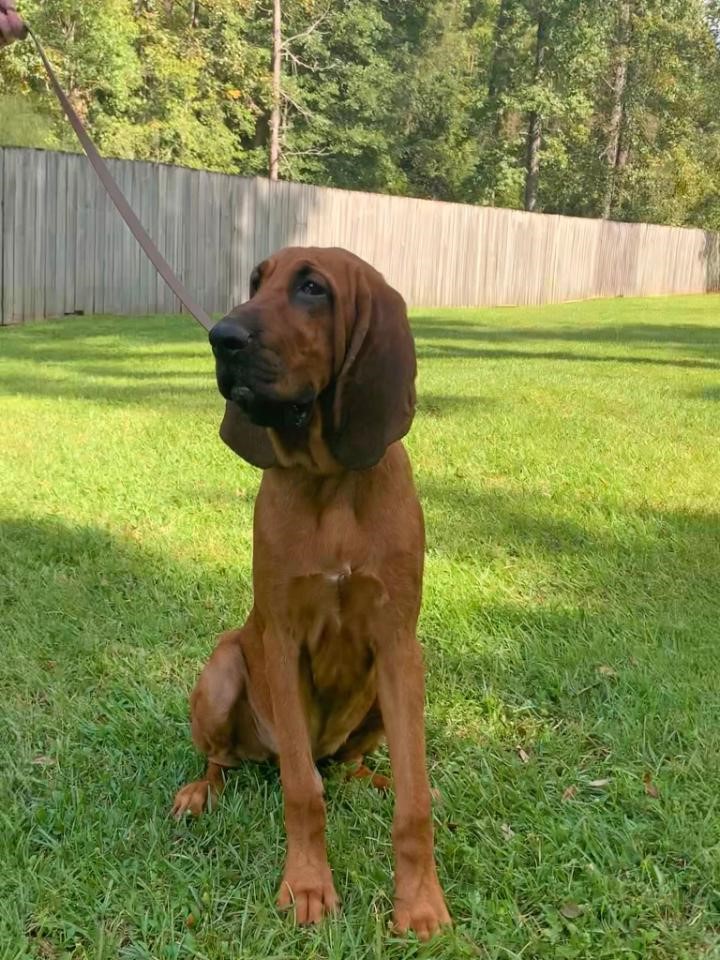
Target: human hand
x=11, y=26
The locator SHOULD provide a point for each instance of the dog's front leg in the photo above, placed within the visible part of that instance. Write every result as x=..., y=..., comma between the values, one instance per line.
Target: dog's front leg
x=307, y=883
x=419, y=901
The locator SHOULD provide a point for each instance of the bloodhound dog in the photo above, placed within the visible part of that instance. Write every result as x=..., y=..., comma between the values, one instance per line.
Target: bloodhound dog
x=318, y=372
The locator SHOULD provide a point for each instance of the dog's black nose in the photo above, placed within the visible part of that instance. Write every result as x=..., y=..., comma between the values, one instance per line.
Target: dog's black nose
x=229, y=336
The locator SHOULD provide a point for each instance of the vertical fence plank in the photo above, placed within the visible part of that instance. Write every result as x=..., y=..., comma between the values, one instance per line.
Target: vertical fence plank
x=84, y=241
x=8, y=290
x=77, y=168
x=55, y=253
x=242, y=216
x=103, y=217
x=171, y=204
x=32, y=262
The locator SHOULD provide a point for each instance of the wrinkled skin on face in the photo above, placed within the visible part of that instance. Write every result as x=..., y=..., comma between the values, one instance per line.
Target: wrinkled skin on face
x=318, y=366
x=274, y=353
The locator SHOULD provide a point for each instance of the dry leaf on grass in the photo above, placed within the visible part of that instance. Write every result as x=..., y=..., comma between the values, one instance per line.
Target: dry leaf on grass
x=42, y=761
x=650, y=789
x=598, y=784
x=45, y=949
x=606, y=671
x=569, y=792
x=570, y=910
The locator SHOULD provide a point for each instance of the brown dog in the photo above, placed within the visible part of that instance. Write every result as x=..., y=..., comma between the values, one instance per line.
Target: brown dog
x=318, y=371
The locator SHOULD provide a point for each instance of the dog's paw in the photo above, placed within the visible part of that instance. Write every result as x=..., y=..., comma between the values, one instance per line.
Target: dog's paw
x=309, y=891
x=377, y=780
x=424, y=913
x=194, y=798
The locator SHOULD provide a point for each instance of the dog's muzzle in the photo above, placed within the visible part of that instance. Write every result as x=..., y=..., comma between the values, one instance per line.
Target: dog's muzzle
x=247, y=374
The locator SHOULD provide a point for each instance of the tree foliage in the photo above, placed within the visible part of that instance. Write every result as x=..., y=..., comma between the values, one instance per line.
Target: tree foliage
x=567, y=106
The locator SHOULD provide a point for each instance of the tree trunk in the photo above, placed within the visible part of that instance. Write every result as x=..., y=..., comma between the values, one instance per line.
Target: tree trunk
x=622, y=159
x=534, y=135
x=497, y=64
x=615, y=153
x=501, y=24
x=275, y=115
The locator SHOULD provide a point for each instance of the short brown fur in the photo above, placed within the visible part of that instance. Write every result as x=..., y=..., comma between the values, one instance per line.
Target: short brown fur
x=328, y=663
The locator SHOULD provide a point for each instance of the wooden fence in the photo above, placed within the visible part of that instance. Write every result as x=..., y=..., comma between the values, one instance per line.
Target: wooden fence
x=64, y=248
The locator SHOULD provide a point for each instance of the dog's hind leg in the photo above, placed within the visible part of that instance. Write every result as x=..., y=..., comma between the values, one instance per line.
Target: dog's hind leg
x=223, y=723
x=362, y=741
x=200, y=795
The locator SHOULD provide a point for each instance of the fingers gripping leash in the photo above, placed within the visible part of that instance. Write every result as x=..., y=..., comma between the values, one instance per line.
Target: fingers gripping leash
x=11, y=26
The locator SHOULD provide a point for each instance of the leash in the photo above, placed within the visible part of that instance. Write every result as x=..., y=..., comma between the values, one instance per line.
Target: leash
x=116, y=195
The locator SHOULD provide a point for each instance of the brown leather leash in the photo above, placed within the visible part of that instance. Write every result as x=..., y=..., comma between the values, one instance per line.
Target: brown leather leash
x=116, y=195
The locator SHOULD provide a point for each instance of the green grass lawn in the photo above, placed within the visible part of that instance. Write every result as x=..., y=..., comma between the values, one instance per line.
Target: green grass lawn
x=568, y=460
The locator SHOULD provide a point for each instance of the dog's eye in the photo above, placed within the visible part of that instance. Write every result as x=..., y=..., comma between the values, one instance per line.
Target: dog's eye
x=311, y=288
x=255, y=278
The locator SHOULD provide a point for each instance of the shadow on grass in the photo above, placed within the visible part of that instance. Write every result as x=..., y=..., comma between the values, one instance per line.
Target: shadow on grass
x=65, y=338
x=73, y=364
x=102, y=640
x=120, y=624
x=84, y=587
x=437, y=405
x=693, y=335
x=661, y=560
x=693, y=338
x=708, y=393
x=160, y=392
x=72, y=346
x=459, y=353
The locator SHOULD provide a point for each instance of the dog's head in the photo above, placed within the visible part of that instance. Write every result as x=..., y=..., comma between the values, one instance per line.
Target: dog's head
x=322, y=349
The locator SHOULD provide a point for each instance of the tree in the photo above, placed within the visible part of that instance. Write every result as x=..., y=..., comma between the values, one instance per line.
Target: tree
x=339, y=91
x=669, y=135
x=276, y=90
x=615, y=152
x=566, y=106
x=534, y=134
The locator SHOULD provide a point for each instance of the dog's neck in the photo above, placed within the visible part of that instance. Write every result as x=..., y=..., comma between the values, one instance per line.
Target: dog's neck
x=306, y=448
x=326, y=491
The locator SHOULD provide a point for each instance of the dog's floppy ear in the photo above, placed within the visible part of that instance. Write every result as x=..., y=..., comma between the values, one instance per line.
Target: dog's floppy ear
x=373, y=401
x=247, y=440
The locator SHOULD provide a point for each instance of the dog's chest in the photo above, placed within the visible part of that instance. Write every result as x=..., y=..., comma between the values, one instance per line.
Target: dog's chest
x=337, y=614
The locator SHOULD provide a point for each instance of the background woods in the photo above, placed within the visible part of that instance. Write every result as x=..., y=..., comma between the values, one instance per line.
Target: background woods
x=563, y=106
